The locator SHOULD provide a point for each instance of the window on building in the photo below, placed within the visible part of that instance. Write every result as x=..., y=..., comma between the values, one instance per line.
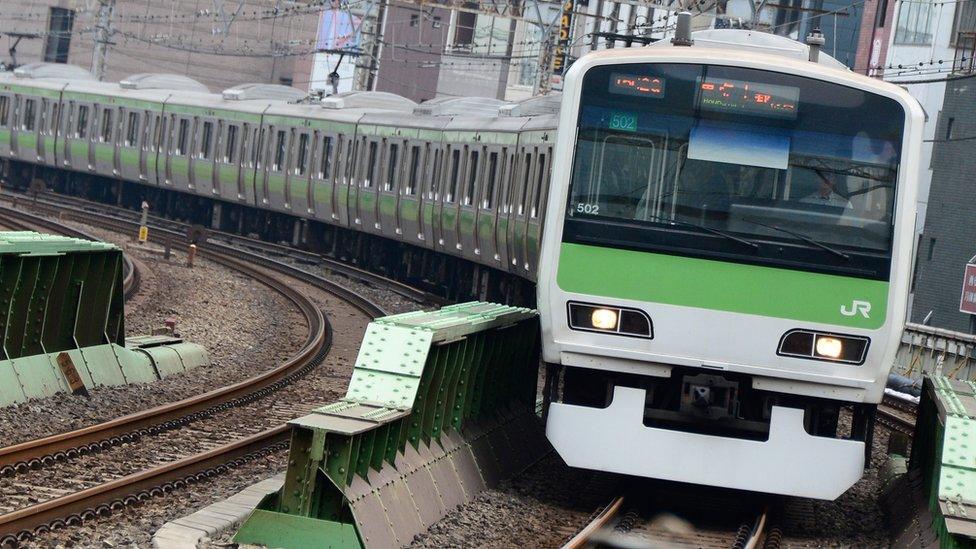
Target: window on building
x=325, y=161
x=106, y=135
x=301, y=163
x=230, y=146
x=949, y=124
x=60, y=21
x=29, y=114
x=414, y=19
x=132, y=131
x=82, y=130
x=4, y=109
x=931, y=248
x=279, y=154
x=183, y=137
x=914, y=23
x=963, y=23
x=391, y=167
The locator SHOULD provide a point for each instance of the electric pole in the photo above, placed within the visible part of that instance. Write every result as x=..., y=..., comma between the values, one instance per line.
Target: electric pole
x=103, y=30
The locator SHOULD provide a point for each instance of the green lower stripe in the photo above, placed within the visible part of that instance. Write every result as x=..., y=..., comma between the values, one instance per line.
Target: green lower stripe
x=733, y=287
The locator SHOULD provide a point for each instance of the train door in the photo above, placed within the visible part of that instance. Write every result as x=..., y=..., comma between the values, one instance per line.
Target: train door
x=503, y=209
x=408, y=211
x=273, y=173
x=227, y=165
x=471, y=182
x=298, y=186
x=181, y=150
x=201, y=170
x=129, y=152
x=516, y=233
x=216, y=157
x=451, y=198
x=43, y=130
x=15, y=126
x=431, y=193
x=361, y=189
x=167, y=147
x=118, y=137
x=388, y=189
x=245, y=161
x=5, y=125
x=494, y=173
x=319, y=195
x=533, y=231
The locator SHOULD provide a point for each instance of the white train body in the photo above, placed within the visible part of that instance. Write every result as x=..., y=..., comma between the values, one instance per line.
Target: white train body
x=719, y=276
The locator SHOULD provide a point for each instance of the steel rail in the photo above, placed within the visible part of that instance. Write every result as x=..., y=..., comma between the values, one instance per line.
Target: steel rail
x=103, y=499
x=605, y=516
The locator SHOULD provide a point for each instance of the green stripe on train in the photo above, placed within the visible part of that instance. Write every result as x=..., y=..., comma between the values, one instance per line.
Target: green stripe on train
x=718, y=285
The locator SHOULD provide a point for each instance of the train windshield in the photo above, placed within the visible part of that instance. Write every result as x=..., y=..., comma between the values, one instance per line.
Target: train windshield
x=736, y=164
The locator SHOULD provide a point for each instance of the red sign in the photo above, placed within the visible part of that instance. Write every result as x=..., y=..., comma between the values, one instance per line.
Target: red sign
x=967, y=303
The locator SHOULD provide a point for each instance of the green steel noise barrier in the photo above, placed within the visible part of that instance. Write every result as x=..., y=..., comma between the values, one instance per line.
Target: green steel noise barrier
x=944, y=456
x=440, y=405
x=62, y=321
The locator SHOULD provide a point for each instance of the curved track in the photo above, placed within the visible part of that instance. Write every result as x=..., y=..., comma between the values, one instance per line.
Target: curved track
x=22, y=523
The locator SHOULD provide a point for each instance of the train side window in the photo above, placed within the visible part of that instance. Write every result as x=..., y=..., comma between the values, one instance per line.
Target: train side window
x=182, y=136
x=472, y=178
x=132, y=132
x=301, y=163
x=325, y=161
x=55, y=121
x=257, y=155
x=435, y=178
x=4, y=109
x=413, y=171
x=206, y=140
x=371, y=164
x=279, y=154
x=230, y=144
x=81, y=131
x=106, y=135
x=541, y=169
x=391, y=167
x=455, y=173
x=42, y=127
x=526, y=177
x=488, y=201
x=28, y=122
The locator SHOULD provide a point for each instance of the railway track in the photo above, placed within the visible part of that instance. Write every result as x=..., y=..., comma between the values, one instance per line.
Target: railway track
x=82, y=210
x=647, y=519
x=897, y=415
x=56, y=482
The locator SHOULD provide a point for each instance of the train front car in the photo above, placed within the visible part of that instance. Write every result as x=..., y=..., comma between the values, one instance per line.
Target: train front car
x=726, y=262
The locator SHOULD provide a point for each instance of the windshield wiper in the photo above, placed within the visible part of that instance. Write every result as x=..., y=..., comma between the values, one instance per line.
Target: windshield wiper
x=802, y=237
x=717, y=232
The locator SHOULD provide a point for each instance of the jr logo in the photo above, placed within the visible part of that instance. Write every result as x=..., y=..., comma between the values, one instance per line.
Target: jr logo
x=857, y=306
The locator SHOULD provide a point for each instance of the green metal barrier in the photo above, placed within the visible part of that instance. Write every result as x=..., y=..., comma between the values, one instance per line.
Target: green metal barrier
x=944, y=459
x=62, y=323
x=440, y=405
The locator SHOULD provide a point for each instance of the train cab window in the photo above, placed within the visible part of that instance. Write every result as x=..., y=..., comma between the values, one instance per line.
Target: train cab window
x=391, y=167
x=132, y=131
x=413, y=171
x=206, y=140
x=526, y=178
x=301, y=162
x=455, y=173
x=370, y=165
x=490, y=175
x=325, y=160
x=279, y=151
x=4, y=109
x=82, y=129
x=540, y=179
x=472, y=178
x=230, y=145
x=29, y=114
x=183, y=136
x=106, y=135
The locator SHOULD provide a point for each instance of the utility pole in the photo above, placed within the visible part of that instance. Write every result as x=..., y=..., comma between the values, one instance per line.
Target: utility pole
x=103, y=30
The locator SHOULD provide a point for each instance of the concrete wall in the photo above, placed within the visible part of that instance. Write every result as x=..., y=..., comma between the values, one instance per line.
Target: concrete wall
x=949, y=238
x=410, y=56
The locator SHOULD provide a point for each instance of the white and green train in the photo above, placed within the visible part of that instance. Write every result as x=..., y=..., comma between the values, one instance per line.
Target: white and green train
x=726, y=262
x=728, y=241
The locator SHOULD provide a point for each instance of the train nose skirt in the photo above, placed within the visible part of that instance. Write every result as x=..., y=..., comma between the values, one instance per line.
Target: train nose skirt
x=790, y=462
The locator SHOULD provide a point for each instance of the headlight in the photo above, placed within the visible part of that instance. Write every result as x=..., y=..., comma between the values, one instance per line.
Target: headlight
x=830, y=347
x=823, y=346
x=604, y=319
x=618, y=320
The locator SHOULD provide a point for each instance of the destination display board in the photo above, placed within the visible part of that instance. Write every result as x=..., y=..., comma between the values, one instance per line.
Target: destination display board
x=754, y=98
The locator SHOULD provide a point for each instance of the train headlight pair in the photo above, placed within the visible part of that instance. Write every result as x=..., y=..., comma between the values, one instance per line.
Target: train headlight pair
x=824, y=346
x=617, y=320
